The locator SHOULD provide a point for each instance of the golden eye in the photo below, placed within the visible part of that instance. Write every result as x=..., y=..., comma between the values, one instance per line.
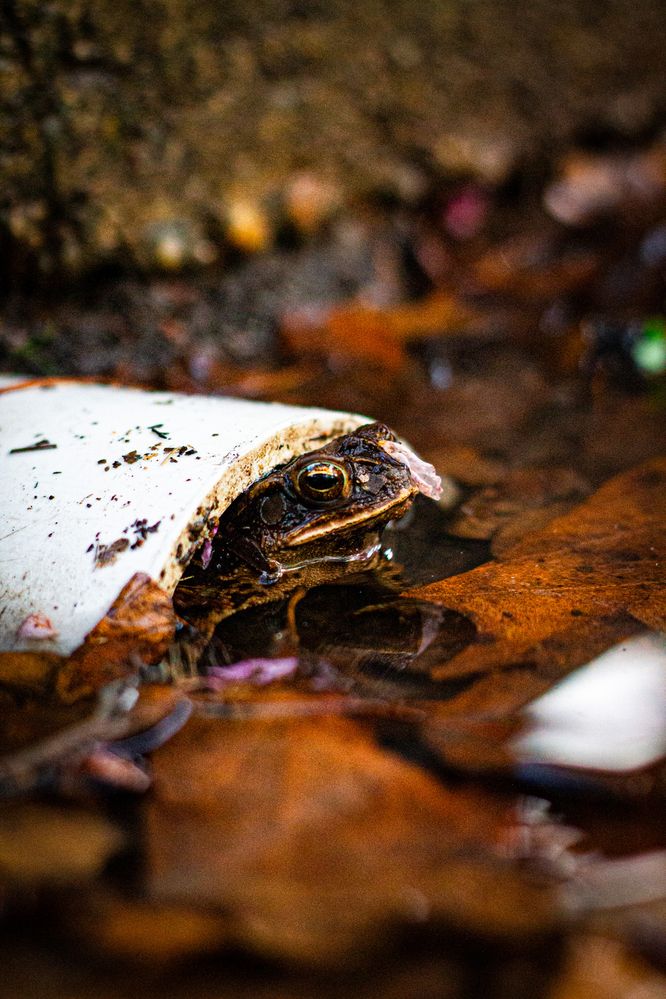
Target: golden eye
x=322, y=481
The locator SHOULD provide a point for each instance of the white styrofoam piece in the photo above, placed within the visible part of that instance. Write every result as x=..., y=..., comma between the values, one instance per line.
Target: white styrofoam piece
x=608, y=715
x=59, y=505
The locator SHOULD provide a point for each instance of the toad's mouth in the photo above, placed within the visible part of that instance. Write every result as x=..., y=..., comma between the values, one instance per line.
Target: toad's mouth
x=360, y=553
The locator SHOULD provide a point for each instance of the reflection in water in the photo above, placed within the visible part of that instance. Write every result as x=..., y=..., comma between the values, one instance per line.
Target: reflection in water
x=610, y=715
x=358, y=635
x=423, y=551
x=614, y=883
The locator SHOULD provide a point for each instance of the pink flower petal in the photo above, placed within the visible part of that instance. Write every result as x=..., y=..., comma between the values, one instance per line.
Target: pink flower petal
x=103, y=765
x=423, y=474
x=37, y=626
x=257, y=671
x=207, y=548
x=466, y=212
x=206, y=553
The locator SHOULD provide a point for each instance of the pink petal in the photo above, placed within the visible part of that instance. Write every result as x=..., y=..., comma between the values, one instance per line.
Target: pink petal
x=206, y=553
x=257, y=671
x=103, y=765
x=37, y=626
x=466, y=212
x=207, y=548
x=423, y=474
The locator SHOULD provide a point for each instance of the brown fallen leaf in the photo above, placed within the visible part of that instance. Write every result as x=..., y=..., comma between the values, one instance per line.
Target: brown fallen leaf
x=597, y=967
x=45, y=844
x=137, y=930
x=351, y=335
x=51, y=722
x=28, y=718
x=357, y=333
x=436, y=314
x=487, y=409
x=464, y=464
x=506, y=509
x=319, y=845
x=473, y=745
x=271, y=385
x=40, y=736
x=28, y=671
x=524, y=522
x=530, y=267
x=138, y=628
x=561, y=595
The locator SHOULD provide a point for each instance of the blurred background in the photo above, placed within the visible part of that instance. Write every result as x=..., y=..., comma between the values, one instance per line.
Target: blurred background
x=193, y=194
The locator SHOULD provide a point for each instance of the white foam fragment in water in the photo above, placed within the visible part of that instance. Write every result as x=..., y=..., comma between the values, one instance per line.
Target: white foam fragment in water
x=609, y=715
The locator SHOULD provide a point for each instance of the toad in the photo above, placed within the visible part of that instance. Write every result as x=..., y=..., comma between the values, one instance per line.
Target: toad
x=312, y=520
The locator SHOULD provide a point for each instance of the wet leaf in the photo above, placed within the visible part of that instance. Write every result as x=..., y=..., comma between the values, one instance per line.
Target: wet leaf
x=464, y=464
x=317, y=843
x=601, y=968
x=561, y=595
x=42, y=737
x=473, y=745
x=506, y=509
x=47, y=844
x=32, y=671
x=138, y=930
x=137, y=629
x=33, y=718
x=377, y=337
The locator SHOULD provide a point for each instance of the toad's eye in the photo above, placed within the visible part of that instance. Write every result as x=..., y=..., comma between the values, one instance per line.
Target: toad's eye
x=322, y=481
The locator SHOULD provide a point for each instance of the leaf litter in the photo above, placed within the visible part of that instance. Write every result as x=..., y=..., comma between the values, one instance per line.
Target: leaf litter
x=286, y=820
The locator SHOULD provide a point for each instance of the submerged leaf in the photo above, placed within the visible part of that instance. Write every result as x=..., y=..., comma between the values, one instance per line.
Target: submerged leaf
x=46, y=844
x=31, y=671
x=315, y=841
x=561, y=595
x=136, y=930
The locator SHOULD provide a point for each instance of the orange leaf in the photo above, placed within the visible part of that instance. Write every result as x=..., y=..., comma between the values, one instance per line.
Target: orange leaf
x=138, y=628
x=315, y=841
x=562, y=594
x=378, y=337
